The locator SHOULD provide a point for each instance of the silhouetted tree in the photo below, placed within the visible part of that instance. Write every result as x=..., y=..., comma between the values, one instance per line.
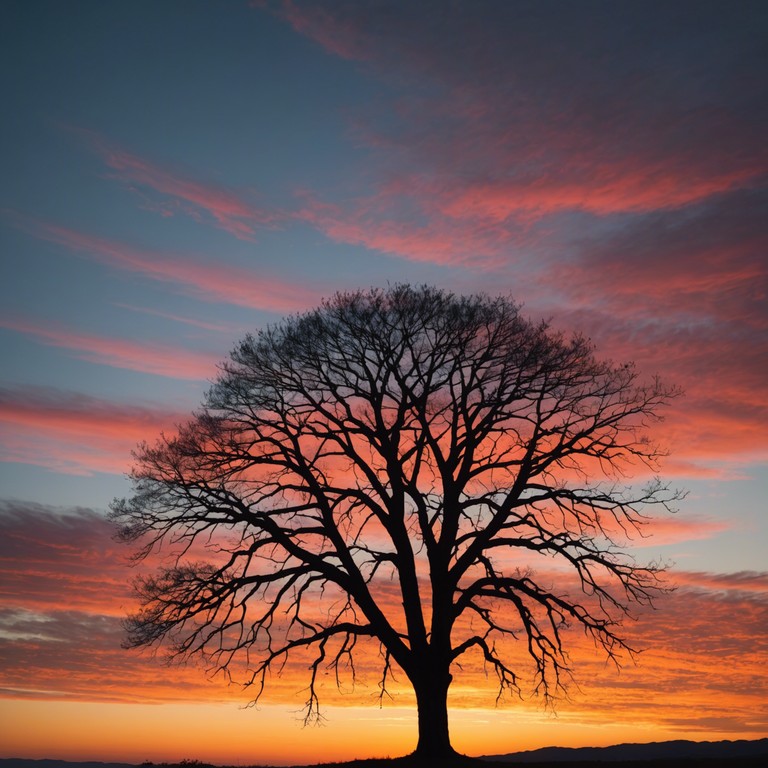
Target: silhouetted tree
x=405, y=438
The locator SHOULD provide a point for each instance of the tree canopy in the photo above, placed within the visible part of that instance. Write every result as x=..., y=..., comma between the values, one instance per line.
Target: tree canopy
x=402, y=467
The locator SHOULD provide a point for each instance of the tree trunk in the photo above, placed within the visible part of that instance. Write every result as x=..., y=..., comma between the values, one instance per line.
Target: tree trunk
x=432, y=702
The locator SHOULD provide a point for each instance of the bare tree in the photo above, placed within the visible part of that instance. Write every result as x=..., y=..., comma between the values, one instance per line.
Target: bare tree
x=407, y=438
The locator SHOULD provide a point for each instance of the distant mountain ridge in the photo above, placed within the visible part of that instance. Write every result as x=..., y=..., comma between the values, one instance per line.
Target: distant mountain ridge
x=657, y=750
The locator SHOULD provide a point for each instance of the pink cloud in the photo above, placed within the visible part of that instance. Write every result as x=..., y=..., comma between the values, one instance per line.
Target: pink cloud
x=683, y=297
x=146, y=357
x=75, y=433
x=721, y=420
x=483, y=224
x=321, y=25
x=230, y=210
x=673, y=529
x=613, y=189
x=210, y=282
x=372, y=224
x=522, y=121
x=713, y=437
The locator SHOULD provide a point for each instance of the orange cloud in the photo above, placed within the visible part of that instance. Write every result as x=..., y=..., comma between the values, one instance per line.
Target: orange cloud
x=705, y=643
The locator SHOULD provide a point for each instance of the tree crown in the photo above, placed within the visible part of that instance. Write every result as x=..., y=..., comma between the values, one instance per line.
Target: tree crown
x=374, y=469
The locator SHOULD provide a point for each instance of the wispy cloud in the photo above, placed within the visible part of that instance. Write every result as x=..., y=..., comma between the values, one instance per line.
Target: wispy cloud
x=75, y=433
x=720, y=421
x=374, y=224
x=230, y=329
x=146, y=357
x=495, y=154
x=611, y=190
x=192, y=275
x=743, y=581
x=706, y=264
x=672, y=529
x=232, y=210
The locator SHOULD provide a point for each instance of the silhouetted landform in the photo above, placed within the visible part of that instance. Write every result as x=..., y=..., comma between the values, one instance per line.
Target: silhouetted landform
x=665, y=754
x=664, y=750
x=19, y=762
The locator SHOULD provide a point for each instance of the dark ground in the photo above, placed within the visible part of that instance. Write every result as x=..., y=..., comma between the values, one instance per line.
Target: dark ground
x=667, y=754
x=408, y=762
x=759, y=761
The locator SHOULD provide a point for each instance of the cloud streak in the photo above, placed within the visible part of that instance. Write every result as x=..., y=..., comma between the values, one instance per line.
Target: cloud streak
x=47, y=554
x=706, y=264
x=75, y=433
x=145, y=357
x=193, y=276
x=376, y=225
x=228, y=209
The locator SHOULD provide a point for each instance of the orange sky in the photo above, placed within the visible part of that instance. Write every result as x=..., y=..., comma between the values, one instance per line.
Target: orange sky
x=64, y=591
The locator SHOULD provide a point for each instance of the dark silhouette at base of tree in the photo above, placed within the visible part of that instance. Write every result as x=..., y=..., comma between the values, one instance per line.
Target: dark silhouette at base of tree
x=432, y=474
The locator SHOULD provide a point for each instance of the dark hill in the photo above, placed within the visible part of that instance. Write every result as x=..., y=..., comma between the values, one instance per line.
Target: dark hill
x=621, y=753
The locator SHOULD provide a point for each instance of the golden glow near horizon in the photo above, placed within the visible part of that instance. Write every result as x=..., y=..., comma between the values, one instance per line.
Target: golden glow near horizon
x=228, y=735
x=677, y=690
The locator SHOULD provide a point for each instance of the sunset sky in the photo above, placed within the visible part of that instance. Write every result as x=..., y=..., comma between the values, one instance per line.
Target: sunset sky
x=178, y=173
